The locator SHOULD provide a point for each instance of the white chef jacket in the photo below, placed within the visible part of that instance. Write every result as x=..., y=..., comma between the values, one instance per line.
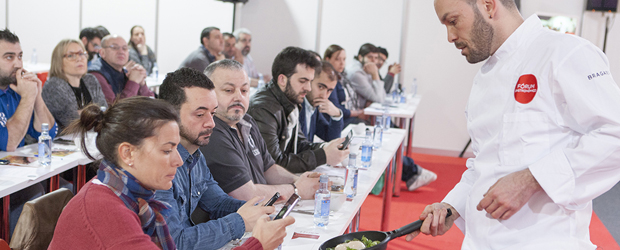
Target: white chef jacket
x=544, y=101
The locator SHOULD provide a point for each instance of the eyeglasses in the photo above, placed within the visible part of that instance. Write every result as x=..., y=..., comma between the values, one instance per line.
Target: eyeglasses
x=75, y=55
x=117, y=48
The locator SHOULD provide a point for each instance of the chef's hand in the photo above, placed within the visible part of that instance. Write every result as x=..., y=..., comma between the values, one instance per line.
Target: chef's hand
x=509, y=194
x=435, y=221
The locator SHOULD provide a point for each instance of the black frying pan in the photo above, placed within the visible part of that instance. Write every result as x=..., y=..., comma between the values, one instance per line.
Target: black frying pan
x=383, y=237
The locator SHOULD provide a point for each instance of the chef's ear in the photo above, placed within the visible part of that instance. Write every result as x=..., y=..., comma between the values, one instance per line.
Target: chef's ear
x=489, y=7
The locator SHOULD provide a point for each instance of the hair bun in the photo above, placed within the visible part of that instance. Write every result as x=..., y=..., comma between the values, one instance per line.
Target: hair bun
x=92, y=117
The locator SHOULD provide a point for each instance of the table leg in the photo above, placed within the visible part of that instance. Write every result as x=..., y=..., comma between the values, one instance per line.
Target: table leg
x=6, y=218
x=410, y=137
x=387, y=196
x=54, y=183
x=81, y=177
x=357, y=220
x=399, y=171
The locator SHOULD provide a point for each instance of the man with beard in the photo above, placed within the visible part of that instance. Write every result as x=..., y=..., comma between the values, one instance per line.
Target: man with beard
x=237, y=155
x=393, y=69
x=91, y=38
x=118, y=77
x=210, y=50
x=22, y=111
x=364, y=76
x=192, y=94
x=244, y=45
x=276, y=111
x=318, y=115
x=545, y=128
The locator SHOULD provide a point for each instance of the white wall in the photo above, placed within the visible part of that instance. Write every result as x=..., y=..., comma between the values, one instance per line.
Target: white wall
x=41, y=28
x=3, y=13
x=276, y=24
x=444, y=81
x=352, y=30
x=180, y=25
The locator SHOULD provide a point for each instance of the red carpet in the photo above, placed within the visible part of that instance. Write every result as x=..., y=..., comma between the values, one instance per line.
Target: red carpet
x=407, y=208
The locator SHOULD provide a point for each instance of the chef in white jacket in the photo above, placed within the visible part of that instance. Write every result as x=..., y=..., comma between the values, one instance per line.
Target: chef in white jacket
x=544, y=118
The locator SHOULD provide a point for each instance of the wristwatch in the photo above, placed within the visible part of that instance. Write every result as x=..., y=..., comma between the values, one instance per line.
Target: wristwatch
x=295, y=188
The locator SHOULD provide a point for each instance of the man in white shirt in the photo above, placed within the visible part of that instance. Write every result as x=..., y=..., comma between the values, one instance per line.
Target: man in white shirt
x=545, y=128
x=244, y=45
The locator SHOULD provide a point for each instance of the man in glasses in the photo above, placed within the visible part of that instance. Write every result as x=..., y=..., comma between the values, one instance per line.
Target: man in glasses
x=119, y=77
x=22, y=111
x=91, y=38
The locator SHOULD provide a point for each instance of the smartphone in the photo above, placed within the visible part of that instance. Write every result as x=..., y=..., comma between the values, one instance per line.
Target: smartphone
x=288, y=207
x=273, y=199
x=347, y=140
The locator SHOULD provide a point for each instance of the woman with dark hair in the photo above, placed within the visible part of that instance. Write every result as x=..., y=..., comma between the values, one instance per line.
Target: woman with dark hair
x=69, y=88
x=139, y=52
x=344, y=91
x=137, y=138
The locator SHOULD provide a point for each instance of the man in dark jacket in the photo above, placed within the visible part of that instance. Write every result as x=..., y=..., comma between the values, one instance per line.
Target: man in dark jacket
x=276, y=111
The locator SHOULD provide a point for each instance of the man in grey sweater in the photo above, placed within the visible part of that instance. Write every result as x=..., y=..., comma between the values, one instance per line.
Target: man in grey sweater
x=364, y=76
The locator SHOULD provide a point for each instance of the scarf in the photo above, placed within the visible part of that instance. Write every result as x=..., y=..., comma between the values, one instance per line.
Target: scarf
x=139, y=200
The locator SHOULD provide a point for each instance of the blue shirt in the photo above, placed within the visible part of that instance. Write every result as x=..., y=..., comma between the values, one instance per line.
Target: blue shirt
x=9, y=100
x=195, y=178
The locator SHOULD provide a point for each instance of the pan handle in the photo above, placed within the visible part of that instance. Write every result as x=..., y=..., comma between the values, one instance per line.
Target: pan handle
x=410, y=228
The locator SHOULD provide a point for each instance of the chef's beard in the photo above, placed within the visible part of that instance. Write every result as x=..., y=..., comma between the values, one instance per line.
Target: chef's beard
x=5, y=81
x=481, y=39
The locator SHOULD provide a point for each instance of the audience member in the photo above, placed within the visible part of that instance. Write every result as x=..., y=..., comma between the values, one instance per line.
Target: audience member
x=192, y=94
x=344, y=91
x=210, y=50
x=237, y=154
x=229, y=45
x=392, y=69
x=140, y=52
x=275, y=109
x=103, y=31
x=244, y=45
x=22, y=111
x=69, y=88
x=137, y=138
x=364, y=76
x=91, y=38
x=118, y=77
x=318, y=115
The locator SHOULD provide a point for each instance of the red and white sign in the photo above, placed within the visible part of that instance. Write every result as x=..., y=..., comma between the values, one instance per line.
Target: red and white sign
x=526, y=89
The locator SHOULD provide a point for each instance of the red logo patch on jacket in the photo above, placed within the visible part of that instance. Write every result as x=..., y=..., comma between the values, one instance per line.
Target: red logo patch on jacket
x=526, y=89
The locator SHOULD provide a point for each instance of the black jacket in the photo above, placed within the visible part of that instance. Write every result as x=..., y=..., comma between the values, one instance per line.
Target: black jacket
x=270, y=108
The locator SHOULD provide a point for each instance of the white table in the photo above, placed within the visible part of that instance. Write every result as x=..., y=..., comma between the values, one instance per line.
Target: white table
x=402, y=112
x=340, y=220
x=14, y=178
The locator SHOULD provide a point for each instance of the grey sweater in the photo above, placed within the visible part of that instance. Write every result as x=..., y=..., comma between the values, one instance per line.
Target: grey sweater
x=61, y=102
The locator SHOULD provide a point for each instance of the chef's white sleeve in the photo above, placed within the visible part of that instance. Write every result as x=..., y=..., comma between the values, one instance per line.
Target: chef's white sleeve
x=588, y=100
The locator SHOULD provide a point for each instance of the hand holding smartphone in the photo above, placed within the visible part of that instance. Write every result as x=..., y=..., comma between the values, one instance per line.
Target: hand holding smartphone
x=347, y=140
x=273, y=199
x=288, y=207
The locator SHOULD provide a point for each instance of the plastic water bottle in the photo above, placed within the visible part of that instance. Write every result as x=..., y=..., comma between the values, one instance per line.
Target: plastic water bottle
x=387, y=122
x=45, y=146
x=261, y=81
x=33, y=57
x=378, y=133
x=322, y=199
x=155, y=71
x=396, y=94
x=415, y=86
x=350, y=185
x=367, y=149
x=403, y=98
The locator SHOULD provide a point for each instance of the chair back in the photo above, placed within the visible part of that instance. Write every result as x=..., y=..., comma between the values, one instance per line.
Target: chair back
x=35, y=227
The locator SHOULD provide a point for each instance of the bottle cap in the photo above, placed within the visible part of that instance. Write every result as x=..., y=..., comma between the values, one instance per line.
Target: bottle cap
x=324, y=178
x=352, y=155
x=45, y=126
